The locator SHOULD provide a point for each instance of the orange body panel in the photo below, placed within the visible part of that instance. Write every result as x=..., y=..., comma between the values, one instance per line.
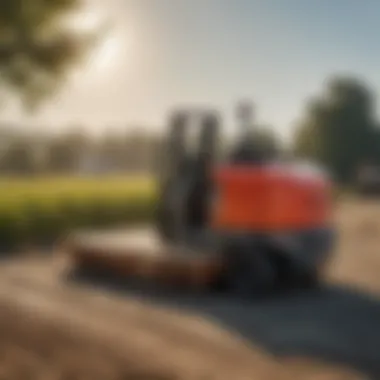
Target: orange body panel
x=269, y=199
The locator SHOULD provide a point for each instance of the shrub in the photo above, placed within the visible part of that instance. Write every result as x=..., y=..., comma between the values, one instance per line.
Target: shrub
x=39, y=211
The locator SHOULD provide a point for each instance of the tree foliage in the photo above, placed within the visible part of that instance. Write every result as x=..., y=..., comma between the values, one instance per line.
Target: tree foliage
x=339, y=128
x=37, y=49
x=64, y=153
x=18, y=158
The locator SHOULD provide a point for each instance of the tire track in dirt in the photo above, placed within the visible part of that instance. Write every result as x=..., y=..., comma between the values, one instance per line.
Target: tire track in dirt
x=155, y=330
x=148, y=336
x=117, y=310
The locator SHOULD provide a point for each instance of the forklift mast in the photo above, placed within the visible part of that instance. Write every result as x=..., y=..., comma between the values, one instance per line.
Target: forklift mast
x=185, y=174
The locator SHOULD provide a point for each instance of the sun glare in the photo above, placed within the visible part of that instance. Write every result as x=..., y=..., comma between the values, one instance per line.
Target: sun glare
x=107, y=52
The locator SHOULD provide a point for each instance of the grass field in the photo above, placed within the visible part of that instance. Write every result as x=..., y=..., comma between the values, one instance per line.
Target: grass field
x=34, y=210
x=53, y=189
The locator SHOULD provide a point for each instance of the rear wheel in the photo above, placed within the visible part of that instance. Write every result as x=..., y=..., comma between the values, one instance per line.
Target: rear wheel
x=301, y=276
x=249, y=272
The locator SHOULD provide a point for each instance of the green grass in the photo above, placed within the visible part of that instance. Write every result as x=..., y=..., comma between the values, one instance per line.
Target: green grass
x=40, y=210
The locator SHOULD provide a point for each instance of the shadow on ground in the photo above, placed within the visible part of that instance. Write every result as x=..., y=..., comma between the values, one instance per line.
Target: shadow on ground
x=336, y=324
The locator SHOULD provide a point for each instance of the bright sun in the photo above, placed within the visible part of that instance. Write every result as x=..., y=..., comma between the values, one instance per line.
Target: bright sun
x=105, y=54
x=107, y=51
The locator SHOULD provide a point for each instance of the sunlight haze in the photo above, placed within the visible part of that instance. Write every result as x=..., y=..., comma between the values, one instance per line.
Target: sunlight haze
x=163, y=53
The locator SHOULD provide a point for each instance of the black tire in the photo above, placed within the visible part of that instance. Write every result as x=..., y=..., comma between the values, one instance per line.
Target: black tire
x=249, y=272
x=310, y=279
x=302, y=277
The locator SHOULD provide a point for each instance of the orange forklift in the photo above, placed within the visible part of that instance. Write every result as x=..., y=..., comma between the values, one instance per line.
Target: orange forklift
x=248, y=223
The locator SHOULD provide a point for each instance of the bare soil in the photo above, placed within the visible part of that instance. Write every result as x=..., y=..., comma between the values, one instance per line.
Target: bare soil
x=50, y=329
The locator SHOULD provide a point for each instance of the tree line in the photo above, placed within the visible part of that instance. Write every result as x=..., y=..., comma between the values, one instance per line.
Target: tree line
x=75, y=152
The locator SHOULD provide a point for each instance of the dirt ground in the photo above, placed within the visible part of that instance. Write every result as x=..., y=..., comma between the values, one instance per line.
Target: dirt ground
x=53, y=330
x=357, y=260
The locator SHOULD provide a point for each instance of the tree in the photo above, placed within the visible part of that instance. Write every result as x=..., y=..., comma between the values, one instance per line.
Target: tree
x=339, y=128
x=111, y=150
x=37, y=50
x=19, y=158
x=65, y=153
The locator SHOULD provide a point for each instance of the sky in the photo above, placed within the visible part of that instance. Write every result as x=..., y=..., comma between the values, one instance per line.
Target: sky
x=163, y=54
